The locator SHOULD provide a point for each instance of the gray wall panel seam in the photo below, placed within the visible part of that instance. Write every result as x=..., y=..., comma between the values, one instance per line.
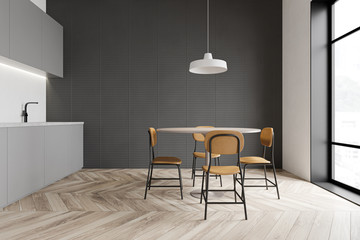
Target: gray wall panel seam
x=100, y=86
x=129, y=62
x=157, y=66
x=71, y=69
x=186, y=74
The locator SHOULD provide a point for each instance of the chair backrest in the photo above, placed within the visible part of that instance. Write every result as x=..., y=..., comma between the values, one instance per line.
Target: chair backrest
x=224, y=142
x=153, y=137
x=266, y=136
x=199, y=136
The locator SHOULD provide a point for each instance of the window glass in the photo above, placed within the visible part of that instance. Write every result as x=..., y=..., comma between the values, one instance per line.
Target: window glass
x=346, y=97
x=346, y=16
x=347, y=165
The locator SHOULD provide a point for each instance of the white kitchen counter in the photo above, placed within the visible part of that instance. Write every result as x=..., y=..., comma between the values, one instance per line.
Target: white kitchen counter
x=35, y=155
x=38, y=124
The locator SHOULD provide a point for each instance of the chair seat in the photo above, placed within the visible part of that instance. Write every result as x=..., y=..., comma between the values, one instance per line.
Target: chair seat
x=202, y=155
x=254, y=160
x=166, y=160
x=222, y=170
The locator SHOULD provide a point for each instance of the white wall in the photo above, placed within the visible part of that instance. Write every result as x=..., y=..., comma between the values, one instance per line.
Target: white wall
x=18, y=87
x=296, y=87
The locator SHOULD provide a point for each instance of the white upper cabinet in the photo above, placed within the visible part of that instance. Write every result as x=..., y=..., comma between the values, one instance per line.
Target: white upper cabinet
x=52, y=46
x=31, y=37
x=4, y=27
x=25, y=33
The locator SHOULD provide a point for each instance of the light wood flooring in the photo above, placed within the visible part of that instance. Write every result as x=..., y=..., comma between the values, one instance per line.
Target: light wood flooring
x=109, y=204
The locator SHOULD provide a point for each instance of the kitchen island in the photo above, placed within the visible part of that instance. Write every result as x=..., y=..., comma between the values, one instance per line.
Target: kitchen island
x=34, y=155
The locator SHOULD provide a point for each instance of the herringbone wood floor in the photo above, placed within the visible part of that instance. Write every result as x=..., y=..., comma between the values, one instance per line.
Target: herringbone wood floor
x=109, y=204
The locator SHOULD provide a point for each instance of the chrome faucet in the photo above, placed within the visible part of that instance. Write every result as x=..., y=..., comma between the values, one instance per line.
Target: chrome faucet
x=24, y=113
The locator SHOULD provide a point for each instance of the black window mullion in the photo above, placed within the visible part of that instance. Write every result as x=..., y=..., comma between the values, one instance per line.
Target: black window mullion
x=345, y=145
x=345, y=35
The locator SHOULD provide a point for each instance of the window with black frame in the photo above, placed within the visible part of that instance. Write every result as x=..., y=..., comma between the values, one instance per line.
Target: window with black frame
x=346, y=93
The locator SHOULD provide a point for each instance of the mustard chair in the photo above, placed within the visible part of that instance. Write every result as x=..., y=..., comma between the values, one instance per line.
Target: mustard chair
x=199, y=138
x=229, y=143
x=160, y=161
x=267, y=141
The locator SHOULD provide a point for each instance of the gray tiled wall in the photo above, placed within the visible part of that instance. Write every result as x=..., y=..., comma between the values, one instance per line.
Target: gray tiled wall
x=126, y=69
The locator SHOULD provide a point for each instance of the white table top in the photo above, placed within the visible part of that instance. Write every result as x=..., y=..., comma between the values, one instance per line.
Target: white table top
x=206, y=130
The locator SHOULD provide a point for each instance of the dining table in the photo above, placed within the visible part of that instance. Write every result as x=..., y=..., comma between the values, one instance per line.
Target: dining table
x=204, y=130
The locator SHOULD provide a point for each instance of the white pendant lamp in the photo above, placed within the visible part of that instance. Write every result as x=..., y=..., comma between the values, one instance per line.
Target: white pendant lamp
x=208, y=65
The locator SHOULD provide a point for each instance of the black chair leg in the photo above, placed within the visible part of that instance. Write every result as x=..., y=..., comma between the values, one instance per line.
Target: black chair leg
x=147, y=182
x=234, y=179
x=241, y=180
x=266, y=183
x=243, y=190
x=207, y=194
x=215, y=165
x=243, y=183
x=276, y=184
x=194, y=171
x=192, y=168
x=152, y=167
x=243, y=177
x=202, y=187
x=243, y=196
x=220, y=175
x=180, y=180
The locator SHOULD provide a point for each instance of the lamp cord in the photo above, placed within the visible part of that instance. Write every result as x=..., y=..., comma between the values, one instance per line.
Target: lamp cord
x=208, y=28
